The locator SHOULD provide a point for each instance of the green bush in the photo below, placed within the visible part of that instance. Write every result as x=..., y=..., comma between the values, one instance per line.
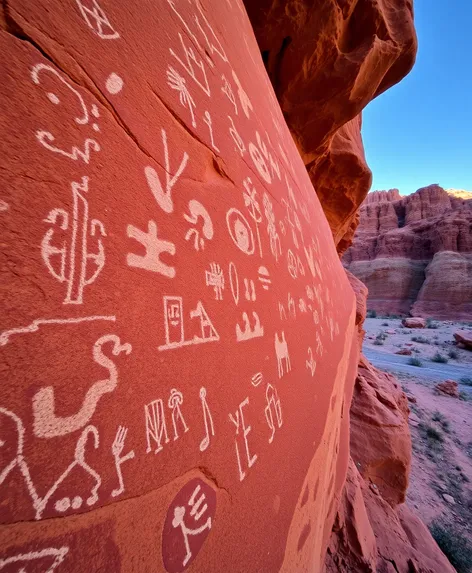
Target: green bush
x=439, y=358
x=454, y=545
x=371, y=314
x=413, y=361
x=453, y=354
x=466, y=381
x=385, y=324
x=378, y=342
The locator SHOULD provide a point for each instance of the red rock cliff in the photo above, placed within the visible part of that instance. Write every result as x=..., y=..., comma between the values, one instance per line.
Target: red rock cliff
x=415, y=253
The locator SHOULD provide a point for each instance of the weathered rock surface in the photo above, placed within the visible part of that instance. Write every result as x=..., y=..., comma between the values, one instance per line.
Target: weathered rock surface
x=326, y=61
x=169, y=279
x=414, y=322
x=371, y=536
x=463, y=338
x=414, y=253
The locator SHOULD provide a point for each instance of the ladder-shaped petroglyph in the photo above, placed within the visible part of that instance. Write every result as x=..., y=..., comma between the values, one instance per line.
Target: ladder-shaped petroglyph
x=156, y=424
x=46, y=424
x=65, y=246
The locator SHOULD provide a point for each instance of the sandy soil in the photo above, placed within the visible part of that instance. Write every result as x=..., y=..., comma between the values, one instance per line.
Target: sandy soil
x=441, y=427
x=430, y=340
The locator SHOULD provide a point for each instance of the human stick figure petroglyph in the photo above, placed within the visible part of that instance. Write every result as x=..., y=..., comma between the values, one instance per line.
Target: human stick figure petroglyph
x=97, y=20
x=239, y=422
x=46, y=138
x=154, y=248
x=281, y=351
x=46, y=424
x=19, y=461
x=228, y=91
x=175, y=401
x=215, y=278
x=240, y=146
x=207, y=417
x=199, y=508
x=117, y=449
x=164, y=197
x=197, y=211
x=58, y=554
x=71, y=264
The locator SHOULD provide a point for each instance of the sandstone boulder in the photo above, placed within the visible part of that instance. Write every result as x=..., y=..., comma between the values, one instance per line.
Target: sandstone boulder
x=464, y=339
x=414, y=322
x=448, y=387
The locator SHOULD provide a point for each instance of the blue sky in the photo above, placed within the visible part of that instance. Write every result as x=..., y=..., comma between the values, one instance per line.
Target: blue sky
x=420, y=131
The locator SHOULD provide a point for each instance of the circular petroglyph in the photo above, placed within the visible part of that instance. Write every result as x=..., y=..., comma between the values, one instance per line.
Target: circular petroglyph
x=114, y=84
x=240, y=231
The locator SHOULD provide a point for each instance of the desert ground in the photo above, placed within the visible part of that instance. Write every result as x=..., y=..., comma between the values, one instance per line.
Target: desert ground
x=440, y=487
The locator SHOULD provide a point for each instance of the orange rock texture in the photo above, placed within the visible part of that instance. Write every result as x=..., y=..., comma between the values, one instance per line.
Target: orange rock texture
x=327, y=60
x=179, y=339
x=414, y=253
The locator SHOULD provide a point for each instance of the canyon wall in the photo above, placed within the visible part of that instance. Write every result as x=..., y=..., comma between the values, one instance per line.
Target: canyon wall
x=179, y=340
x=414, y=253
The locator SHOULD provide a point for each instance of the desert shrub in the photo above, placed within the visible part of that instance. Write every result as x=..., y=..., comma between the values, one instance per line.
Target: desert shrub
x=433, y=434
x=454, y=545
x=464, y=396
x=385, y=324
x=371, y=314
x=439, y=358
x=431, y=324
x=437, y=416
x=413, y=361
x=378, y=342
x=421, y=339
x=453, y=354
x=466, y=381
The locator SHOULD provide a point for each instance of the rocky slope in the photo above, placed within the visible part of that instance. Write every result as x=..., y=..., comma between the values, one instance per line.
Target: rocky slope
x=414, y=253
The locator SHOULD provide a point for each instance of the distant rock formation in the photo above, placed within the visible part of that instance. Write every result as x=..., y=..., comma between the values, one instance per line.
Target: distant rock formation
x=414, y=253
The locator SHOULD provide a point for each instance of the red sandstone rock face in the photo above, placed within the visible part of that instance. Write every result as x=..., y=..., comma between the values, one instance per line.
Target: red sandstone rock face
x=327, y=60
x=178, y=333
x=415, y=253
x=464, y=339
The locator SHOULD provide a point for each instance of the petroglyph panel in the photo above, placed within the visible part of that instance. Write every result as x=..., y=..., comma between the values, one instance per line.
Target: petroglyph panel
x=173, y=307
